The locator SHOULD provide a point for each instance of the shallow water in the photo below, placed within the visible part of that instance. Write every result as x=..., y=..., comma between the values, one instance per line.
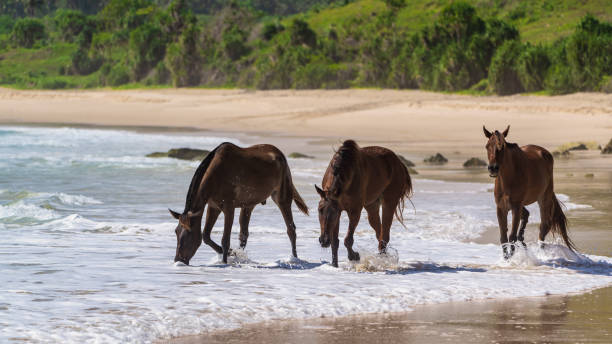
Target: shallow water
x=87, y=247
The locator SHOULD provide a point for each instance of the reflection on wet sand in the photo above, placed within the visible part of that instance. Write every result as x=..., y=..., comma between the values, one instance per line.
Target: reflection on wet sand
x=571, y=319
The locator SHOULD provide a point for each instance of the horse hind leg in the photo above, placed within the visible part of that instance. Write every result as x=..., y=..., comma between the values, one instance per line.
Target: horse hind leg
x=245, y=218
x=228, y=213
x=285, y=208
x=545, y=221
x=524, y=221
x=388, y=210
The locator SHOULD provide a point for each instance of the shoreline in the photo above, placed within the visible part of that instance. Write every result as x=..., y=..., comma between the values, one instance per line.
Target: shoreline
x=554, y=318
x=290, y=136
x=406, y=120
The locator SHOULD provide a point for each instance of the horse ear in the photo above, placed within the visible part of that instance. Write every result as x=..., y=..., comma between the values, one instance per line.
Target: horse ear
x=174, y=214
x=320, y=192
x=199, y=213
x=486, y=132
x=506, y=131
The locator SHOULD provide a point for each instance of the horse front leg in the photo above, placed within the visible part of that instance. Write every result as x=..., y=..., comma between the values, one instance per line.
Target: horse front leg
x=516, y=220
x=348, y=240
x=228, y=213
x=502, y=219
x=335, y=243
x=211, y=217
x=524, y=221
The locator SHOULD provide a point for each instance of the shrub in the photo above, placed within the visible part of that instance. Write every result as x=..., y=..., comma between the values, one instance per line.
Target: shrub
x=6, y=24
x=118, y=74
x=503, y=73
x=301, y=33
x=70, y=23
x=183, y=59
x=271, y=29
x=532, y=66
x=27, y=31
x=54, y=83
x=234, y=43
x=146, y=48
x=589, y=53
x=82, y=63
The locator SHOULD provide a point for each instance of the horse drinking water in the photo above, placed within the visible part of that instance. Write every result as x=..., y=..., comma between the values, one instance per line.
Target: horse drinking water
x=232, y=177
x=523, y=175
x=356, y=178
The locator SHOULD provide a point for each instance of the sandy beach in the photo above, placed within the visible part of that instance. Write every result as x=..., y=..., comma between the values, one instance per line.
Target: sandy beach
x=415, y=124
x=408, y=120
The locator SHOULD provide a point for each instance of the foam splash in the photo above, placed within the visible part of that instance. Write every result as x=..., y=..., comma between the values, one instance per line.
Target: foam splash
x=371, y=262
x=546, y=254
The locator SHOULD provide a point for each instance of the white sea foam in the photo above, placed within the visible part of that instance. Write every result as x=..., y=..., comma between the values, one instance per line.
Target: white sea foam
x=22, y=211
x=96, y=264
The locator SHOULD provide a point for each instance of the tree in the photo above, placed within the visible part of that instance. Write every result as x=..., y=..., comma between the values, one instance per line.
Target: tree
x=27, y=31
x=32, y=5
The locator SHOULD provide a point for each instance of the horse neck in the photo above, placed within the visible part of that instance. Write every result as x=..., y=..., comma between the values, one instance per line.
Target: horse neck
x=511, y=163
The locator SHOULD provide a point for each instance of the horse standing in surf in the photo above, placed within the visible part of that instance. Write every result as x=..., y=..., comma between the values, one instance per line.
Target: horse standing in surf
x=523, y=175
x=232, y=177
x=358, y=178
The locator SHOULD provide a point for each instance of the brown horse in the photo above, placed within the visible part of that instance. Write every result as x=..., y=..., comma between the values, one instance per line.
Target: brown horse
x=523, y=175
x=356, y=178
x=232, y=177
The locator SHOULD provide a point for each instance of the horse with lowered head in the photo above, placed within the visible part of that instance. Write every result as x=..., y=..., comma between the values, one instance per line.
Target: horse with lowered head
x=523, y=175
x=358, y=178
x=232, y=177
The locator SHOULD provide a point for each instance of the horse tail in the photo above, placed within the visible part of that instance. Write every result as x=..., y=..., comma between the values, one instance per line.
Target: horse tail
x=406, y=194
x=559, y=223
x=298, y=200
x=194, y=186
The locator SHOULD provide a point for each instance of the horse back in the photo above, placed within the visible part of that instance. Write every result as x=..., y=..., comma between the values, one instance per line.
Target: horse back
x=383, y=170
x=251, y=172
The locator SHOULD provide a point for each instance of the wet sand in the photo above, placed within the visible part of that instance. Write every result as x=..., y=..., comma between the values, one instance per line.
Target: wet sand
x=585, y=318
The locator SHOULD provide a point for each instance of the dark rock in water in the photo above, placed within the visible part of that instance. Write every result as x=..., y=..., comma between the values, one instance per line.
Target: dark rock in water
x=589, y=175
x=181, y=153
x=564, y=154
x=296, y=155
x=405, y=161
x=581, y=146
x=608, y=148
x=474, y=162
x=437, y=159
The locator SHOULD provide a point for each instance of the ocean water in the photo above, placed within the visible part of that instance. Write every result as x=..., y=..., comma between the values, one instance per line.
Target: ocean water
x=87, y=247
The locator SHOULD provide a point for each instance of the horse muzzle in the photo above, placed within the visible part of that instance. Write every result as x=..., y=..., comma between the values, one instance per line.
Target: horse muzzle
x=324, y=241
x=493, y=170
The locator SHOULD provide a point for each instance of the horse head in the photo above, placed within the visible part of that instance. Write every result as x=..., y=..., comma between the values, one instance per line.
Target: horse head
x=495, y=149
x=329, y=215
x=188, y=235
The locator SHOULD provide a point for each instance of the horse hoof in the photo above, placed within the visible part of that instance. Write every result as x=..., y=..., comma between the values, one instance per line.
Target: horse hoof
x=354, y=256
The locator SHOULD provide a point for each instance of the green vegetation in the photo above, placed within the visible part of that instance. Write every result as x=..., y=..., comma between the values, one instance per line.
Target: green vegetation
x=484, y=46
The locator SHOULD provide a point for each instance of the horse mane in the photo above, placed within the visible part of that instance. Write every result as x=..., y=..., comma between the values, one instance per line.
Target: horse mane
x=344, y=159
x=512, y=145
x=194, y=186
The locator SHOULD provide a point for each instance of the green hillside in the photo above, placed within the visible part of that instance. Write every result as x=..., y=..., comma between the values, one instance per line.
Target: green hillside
x=537, y=20
x=478, y=46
